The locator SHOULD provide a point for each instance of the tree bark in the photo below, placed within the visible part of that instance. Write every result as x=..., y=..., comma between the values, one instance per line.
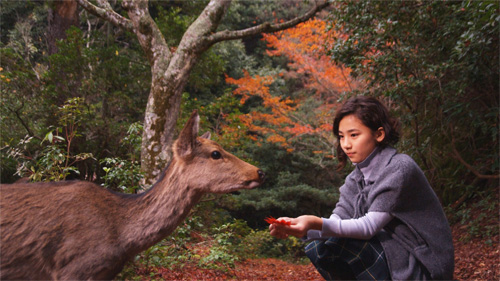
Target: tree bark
x=170, y=71
x=62, y=15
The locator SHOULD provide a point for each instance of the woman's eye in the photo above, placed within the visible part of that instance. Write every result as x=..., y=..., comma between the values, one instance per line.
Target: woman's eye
x=216, y=155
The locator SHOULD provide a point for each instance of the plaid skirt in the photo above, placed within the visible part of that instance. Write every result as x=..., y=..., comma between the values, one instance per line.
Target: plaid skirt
x=349, y=259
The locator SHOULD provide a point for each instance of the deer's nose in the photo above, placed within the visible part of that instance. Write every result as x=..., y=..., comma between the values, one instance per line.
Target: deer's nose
x=262, y=175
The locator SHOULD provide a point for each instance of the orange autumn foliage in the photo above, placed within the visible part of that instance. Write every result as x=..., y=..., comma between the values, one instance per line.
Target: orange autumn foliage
x=305, y=46
x=278, y=114
x=278, y=122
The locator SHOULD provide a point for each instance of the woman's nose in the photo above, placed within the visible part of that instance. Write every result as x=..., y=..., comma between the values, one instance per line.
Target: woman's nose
x=345, y=143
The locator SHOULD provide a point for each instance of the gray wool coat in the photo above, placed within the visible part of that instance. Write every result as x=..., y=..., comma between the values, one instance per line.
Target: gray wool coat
x=419, y=231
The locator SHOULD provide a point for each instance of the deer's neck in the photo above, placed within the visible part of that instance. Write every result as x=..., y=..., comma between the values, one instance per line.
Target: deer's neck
x=157, y=212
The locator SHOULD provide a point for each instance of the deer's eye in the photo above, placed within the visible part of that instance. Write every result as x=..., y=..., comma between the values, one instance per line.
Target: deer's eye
x=216, y=155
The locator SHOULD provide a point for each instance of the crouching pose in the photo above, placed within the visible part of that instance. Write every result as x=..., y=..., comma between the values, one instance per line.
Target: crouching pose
x=388, y=223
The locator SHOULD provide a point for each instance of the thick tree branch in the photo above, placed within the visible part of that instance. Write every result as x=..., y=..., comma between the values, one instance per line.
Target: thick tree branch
x=457, y=156
x=267, y=27
x=195, y=37
x=149, y=35
x=106, y=12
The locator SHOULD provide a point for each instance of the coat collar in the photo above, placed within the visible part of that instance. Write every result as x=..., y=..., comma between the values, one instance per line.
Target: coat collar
x=380, y=160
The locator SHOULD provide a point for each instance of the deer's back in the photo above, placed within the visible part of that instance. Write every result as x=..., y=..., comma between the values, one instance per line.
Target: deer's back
x=58, y=230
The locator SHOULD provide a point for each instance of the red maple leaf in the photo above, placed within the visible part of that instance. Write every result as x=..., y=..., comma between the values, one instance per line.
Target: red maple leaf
x=271, y=220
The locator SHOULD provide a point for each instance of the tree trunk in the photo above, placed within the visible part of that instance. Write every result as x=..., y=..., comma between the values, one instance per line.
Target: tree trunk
x=62, y=15
x=159, y=124
x=170, y=74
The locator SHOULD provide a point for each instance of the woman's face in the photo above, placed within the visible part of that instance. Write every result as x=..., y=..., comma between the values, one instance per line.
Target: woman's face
x=357, y=140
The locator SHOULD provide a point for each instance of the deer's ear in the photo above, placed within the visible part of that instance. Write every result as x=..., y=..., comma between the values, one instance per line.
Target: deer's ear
x=206, y=135
x=187, y=139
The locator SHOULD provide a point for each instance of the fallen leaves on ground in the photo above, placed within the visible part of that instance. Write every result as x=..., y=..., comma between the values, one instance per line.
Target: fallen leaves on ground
x=252, y=269
x=477, y=257
x=274, y=269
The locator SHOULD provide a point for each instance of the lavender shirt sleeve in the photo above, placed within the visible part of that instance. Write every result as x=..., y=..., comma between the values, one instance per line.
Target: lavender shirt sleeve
x=362, y=228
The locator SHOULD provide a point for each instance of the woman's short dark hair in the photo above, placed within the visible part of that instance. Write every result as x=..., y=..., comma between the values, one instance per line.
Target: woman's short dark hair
x=373, y=114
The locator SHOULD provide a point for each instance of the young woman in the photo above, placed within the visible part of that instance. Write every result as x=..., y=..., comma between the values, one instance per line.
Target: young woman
x=388, y=223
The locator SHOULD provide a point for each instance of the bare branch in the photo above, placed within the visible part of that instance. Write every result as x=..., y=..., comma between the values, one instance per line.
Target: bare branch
x=266, y=27
x=106, y=12
x=25, y=125
x=457, y=156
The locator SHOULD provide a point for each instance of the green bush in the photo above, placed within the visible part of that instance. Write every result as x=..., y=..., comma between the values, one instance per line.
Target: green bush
x=122, y=175
x=53, y=159
x=260, y=244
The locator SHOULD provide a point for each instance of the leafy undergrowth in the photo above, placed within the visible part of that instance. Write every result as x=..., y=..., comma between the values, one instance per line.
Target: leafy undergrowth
x=199, y=257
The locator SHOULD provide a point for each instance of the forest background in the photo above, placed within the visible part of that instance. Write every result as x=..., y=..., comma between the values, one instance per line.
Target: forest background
x=75, y=89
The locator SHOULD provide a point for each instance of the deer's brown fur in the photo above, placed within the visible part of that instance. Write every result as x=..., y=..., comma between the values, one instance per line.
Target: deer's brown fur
x=81, y=231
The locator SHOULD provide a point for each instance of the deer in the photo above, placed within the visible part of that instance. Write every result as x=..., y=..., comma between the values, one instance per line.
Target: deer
x=78, y=230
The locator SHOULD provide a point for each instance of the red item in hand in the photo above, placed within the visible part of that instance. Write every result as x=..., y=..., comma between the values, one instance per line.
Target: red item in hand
x=271, y=220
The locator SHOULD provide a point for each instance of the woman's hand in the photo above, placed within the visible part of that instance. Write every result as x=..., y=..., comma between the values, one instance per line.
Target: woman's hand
x=298, y=226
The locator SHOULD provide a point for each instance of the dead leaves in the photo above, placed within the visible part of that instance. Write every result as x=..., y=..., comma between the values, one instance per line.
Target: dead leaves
x=475, y=259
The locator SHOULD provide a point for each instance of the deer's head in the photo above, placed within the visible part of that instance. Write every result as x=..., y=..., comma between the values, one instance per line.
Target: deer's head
x=208, y=167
